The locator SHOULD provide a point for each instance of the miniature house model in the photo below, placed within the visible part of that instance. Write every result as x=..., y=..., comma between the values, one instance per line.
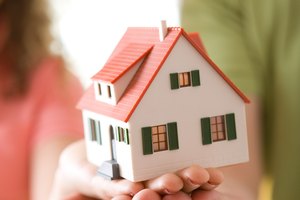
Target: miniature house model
x=160, y=104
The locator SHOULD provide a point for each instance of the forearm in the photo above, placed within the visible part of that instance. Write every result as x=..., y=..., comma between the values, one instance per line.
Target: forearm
x=244, y=179
x=44, y=163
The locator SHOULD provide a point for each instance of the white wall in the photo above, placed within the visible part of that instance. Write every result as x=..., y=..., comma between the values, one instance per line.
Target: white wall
x=186, y=106
x=97, y=154
x=90, y=29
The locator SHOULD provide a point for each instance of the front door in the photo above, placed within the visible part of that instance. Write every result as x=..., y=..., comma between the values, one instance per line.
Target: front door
x=113, y=143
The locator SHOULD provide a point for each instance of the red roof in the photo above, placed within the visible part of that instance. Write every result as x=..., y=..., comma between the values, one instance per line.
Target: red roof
x=119, y=64
x=149, y=45
x=197, y=39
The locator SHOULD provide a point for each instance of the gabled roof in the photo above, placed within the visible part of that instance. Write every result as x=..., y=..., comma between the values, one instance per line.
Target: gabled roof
x=157, y=52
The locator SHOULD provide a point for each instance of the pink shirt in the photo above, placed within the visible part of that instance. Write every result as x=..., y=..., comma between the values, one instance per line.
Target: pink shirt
x=46, y=110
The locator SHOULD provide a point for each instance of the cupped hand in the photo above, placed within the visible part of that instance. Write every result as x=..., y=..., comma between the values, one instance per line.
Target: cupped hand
x=186, y=184
x=76, y=179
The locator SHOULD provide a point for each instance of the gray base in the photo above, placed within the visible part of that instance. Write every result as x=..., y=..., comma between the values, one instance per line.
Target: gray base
x=109, y=170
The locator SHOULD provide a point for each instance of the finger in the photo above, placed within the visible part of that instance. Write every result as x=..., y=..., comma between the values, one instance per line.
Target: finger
x=107, y=189
x=147, y=194
x=193, y=177
x=216, y=177
x=165, y=184
x=122, y=197
x=83, y=175
x=79, y=197
x=207, y=195
x=178, y=196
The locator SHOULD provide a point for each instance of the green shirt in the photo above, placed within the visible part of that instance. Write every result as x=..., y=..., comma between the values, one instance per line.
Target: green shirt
x=257, y=43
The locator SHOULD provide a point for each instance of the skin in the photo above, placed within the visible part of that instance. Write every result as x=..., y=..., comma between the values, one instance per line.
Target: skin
x=76, y=177
x=44, y=161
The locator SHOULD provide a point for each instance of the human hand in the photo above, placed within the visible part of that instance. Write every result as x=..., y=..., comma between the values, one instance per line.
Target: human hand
x=186, y=184
x=76, y=180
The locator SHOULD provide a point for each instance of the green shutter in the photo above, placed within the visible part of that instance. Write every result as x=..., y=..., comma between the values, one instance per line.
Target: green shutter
x=230, y=126
x=147, y=140
x=91, y=124
x=90, y=128
x=195, y=77
x=98, y=132
x=173, y=136
x=174, y=81
x=206, y=132
x=117, y=133
x=126, y=136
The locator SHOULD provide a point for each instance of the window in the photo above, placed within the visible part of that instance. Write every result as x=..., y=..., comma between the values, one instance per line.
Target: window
x=95, y=131
x=99, y=89
x=109, y=91
x=218, y=128
x=122, y=134
x=160, y=138
x=185, y=79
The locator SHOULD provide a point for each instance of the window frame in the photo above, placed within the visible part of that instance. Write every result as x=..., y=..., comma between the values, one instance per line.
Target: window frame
x=161, y=138
x=170, y=135
x=99, y=89
x=217, y=127
x=184, y=79
x=122, y=134
x=229, y=128
x=95, y=130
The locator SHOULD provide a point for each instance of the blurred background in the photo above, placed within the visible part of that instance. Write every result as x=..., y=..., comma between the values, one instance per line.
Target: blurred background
x=88, y=30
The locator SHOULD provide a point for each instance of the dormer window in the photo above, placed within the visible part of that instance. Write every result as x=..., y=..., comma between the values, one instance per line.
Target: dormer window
x=105, y=92
x=99, y=89
x=109, y=91
x=112, y=80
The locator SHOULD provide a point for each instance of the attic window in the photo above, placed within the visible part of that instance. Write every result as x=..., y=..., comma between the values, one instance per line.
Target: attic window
x=185, y=79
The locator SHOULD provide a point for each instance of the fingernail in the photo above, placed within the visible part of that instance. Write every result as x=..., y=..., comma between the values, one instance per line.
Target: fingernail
x=192, y=182
x=167, y=191
x=132, y=194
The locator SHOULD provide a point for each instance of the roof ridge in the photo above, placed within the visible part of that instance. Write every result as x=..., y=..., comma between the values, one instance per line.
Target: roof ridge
x=175, y=28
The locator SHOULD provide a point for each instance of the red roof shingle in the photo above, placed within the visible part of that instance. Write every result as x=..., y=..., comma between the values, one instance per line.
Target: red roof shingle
x=119, y=64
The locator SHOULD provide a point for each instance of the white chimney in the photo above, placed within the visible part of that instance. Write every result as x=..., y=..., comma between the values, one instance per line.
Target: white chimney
x=163, y=30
